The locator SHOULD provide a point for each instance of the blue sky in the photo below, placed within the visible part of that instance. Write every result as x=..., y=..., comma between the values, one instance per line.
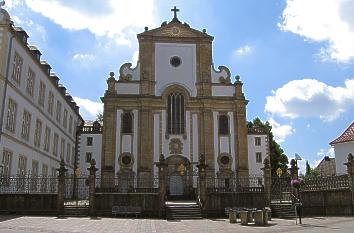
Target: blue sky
x=295, y=57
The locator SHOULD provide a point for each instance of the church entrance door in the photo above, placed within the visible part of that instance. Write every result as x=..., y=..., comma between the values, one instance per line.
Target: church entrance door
x=176, y=185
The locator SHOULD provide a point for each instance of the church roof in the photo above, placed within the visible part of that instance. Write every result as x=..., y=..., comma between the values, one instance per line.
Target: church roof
x=177, y=29
x=347, y=136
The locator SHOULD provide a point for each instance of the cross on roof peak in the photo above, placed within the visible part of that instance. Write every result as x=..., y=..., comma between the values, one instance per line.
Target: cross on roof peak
x=175, y=10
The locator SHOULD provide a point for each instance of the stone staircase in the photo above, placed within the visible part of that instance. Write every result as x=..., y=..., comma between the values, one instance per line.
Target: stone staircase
x=75, y=211
x=178, y=210
x=283, y=210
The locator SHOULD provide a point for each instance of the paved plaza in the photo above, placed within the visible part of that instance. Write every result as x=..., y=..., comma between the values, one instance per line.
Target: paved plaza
x=11, y=224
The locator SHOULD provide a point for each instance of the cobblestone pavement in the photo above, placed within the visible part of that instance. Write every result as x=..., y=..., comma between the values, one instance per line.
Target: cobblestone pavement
x=12, y=223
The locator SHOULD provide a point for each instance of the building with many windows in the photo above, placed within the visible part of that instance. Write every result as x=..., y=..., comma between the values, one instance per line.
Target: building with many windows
x=38, y=118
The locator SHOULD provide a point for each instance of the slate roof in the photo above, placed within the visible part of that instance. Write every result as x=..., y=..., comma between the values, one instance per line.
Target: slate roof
x=347, y=136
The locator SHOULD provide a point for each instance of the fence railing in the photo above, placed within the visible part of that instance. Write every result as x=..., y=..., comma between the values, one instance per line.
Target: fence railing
x=235, y=184
x=127, y=185
x=28, y=184
x=325, y=183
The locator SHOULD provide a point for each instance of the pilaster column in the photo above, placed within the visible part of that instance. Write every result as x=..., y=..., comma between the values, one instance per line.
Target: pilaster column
x=92, y=186
x=61, y=186
x=202, y=183
x=267, y=176
x=146, y=139
x=162, y=170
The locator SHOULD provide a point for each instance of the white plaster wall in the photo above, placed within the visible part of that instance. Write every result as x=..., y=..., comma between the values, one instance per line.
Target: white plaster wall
x=341, y=152
x=253, y=166
x=195, y=137
x=216, y=140
x=156, y=140
x=223, y=90
x=95, y=149
x=232, y=140
x=118, y=142
x=126, y=143
x=166, y=74
x=127, y=88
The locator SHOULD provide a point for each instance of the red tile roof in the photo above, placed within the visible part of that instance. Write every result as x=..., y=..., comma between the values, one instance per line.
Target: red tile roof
x=347, y=136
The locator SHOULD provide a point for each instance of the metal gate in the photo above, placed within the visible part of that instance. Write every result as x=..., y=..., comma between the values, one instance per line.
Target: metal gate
x=281, y=189
x=77, y=191
x=182, y=187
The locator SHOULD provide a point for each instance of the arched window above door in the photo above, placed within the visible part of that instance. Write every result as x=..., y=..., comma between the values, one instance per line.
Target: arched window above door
x=175, y=113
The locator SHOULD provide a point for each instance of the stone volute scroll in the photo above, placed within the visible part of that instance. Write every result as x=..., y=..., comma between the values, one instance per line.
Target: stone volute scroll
x=127, y=73
x=222, y=75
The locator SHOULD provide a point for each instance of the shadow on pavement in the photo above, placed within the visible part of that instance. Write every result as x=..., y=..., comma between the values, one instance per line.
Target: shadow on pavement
x=7, y=217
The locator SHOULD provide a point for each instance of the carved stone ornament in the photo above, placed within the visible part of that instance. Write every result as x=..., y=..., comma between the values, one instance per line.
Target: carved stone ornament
x=176, y=146
x=224, y=80
x=224, y=161
x=126, y=78
x=126, y=160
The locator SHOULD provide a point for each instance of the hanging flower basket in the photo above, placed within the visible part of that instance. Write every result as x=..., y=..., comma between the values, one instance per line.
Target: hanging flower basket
x=295, y=183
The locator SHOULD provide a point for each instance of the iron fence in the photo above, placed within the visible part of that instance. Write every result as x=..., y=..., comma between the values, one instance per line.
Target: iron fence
x=120, y=184
x=28, y=184
x=324, y=183
x=235, y=184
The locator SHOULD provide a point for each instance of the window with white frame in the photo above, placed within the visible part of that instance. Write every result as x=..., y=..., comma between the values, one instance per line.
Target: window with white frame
x=257, y=141
x=68, y=150
x=22, y=165
x=38, y=133
x=50, y=102
x=55, y=144
x=47, y=134
x=30, y=82
x=127, y=123
x=11, y=115
x=44, y=170
x=73, y=155
x=17, y=68
x=89, y=141
x=258, y=157
x=41, y=94
x=62, y=148
x=26, y=125
x=70, y=124
x=65, y=118
x=88, y=157
x=223, y=125
x=35, y=166
x=6, y=163
x=58, y=112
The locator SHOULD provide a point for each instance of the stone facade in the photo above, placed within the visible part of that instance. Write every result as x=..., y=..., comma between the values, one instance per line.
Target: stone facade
x=175, y=58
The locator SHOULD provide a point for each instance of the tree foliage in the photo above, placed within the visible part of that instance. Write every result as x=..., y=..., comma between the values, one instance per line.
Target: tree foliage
x=277, y=157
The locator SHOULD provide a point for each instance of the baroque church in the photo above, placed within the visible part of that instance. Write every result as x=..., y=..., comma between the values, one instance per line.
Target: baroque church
x=176, y=104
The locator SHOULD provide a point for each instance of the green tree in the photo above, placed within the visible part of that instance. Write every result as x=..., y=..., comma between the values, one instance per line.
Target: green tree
x=99, y=117
x=277, y=157
x=308, y=168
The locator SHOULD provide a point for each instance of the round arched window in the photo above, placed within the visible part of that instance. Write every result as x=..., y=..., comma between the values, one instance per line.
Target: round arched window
x=225, y=160
x=126, y=160
x=175, y=61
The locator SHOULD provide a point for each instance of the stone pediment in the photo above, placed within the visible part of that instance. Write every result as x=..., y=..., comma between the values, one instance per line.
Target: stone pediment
x=176, y=29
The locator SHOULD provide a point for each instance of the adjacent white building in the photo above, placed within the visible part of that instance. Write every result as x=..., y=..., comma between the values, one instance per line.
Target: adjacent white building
x=343, y=146
x=90, y=145
x=258, y=149
x=38, y=118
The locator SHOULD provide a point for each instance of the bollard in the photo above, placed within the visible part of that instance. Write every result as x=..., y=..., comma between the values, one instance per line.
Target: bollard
x=258, y=217
x=232, y=216
x=244, y=217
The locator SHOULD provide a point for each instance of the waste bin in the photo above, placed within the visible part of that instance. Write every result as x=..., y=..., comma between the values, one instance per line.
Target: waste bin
x=258, y=217
x=232, y=216
x=244, y=217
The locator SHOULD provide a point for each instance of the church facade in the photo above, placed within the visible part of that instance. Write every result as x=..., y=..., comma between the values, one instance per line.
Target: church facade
x=174, y=103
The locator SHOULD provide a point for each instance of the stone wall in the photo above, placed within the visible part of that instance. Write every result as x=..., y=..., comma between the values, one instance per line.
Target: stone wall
x=217, y=202
x=327, y=203
x=149, y=202
x=29, y=203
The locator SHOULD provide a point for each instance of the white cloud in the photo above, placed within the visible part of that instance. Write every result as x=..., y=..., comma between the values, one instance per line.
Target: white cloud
x=311, y=98
x=116, y=19
x=135, y=57
x=330, y=21
x=242, y=51
x=326, y=152
x=83, y=57
x=88, y=109
x=280, y=132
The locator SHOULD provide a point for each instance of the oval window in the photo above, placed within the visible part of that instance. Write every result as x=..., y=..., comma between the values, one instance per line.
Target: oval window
x=175, y=61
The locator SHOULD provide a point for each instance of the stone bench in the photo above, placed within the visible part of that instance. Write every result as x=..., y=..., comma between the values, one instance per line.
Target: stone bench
x=126, y=210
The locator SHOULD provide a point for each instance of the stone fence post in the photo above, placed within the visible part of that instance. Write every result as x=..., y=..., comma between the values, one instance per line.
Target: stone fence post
x=350, y=170
x=92, y=187
x=202, y=183
x=61, y=186
x=267, y=176
x=162, y=171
